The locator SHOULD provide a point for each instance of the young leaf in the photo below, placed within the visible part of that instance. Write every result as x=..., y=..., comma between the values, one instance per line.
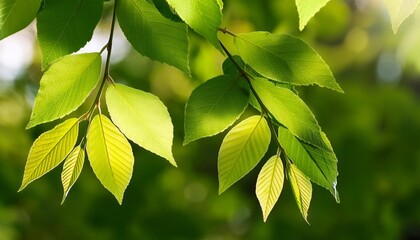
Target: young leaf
x=15, y=15
x=49, y=150
x=319, y=165
x=285, y=59
x=110, y=155
x=72, y=167
x=288, y=109
x=302, y=189
x=64, y=26
x=307, y=9
x=65, y=86
x=242, y=149
x=269, y=184
x=143, y=118
x=203, y=16
x=213, y=107
x=153, y=35
x=399, y=10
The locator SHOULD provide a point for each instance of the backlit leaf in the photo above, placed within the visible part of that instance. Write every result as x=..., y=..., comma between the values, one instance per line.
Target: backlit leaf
x=203, y=16
x=242, y=149
x=284, y=58
x=143, y=118
x=153, y=35
x=269, y=184
x=319, y=165
x=15, y=15
x=302, y=189
x=72, y=167
x=49, y=150
x=307, y=9
x=288, y=109
x=64, y=26
x=110, y=155
x=214, y=106
x=399, y=10
x=65, y=86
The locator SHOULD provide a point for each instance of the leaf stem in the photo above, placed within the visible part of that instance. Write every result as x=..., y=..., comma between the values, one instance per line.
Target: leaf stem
x=106, y=76
x=264, y=109
x=226, y=31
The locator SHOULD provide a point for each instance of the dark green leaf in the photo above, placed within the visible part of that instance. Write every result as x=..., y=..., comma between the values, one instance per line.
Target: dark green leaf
x=319, y=165
x=65, y=26
x=15, y=15
x=285, y=59
x=288, y=109
x=153, y=35
x=214, y=106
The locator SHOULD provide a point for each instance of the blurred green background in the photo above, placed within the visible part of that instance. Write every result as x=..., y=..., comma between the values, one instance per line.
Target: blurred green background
x=374, y=128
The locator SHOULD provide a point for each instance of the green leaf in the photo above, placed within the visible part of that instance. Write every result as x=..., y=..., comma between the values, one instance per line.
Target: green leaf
x=399, y=10
x=65, y=26
x=230, y=68
x=319, y=165
x=110, y=155
x=49, y=150
x=302, y=189
x=203, y=16
x=72, y=168
x=143, y=118
x=307, y=9
x=65, y=86
x=15, y=15
x=214, y=106
x=269, y=184
x=288, y=109
x=284, y=58
x=242, y=149
x=153, y=35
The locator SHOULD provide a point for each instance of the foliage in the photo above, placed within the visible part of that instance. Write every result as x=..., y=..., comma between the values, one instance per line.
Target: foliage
x=272, y=66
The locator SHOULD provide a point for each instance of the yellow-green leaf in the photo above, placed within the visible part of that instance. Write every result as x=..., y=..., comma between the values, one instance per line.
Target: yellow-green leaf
x=49, y=150
x=269, y=184
x=242, y=149
x=110, y=155
x=143, y=118
x=72, y=167
x=65, y=86
x=307, y=9
x=302, y=189
x=399, y=10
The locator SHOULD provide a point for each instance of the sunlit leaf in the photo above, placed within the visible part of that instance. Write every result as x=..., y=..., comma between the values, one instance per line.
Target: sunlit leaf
x=153, y=35
x=319, y=165
x=143, y=118
x=65, y=86
x=64, y=26
x=269, y=184
x=399, y=10
x=203, y=16
x=302, y=189
x=72, y=167
x=288, y=109
x=242, y=149
x=285, y=58
x=307, y=9
x=49, y=150
x=15, y=15
x=214, y=106
x=110, y=155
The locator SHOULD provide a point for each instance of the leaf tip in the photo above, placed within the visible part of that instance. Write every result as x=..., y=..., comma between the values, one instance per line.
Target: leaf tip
x=23, y=186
